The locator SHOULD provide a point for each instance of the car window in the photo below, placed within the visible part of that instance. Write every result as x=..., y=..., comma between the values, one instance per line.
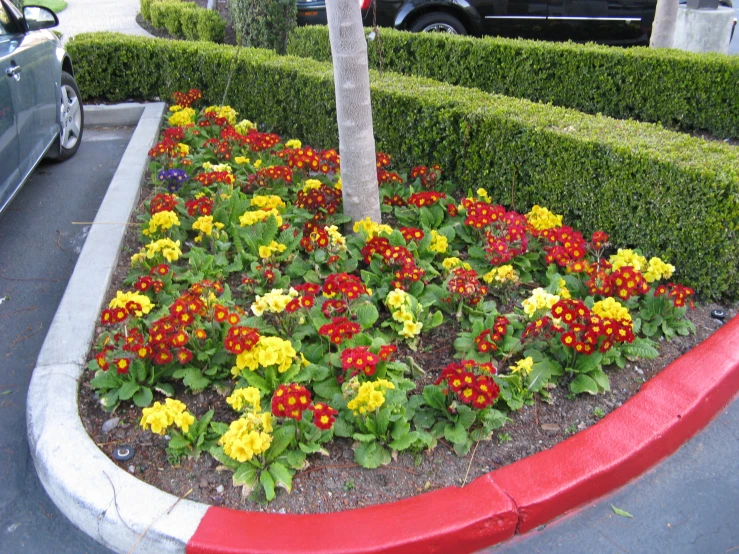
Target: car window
x=6, y=24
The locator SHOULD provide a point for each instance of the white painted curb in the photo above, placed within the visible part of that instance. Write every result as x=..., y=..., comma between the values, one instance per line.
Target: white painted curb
x=104, y=501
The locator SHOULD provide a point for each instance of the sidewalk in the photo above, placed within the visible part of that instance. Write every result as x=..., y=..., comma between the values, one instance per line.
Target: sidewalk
x=86, y=16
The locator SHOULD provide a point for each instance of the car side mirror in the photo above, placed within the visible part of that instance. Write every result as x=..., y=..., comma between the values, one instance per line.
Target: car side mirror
x=38, y=17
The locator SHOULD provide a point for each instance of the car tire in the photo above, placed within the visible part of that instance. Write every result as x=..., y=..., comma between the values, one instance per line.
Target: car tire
x=438, y=22
x=71, y=118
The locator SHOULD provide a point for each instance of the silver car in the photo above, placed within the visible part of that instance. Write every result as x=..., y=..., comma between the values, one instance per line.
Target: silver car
x=40, y=109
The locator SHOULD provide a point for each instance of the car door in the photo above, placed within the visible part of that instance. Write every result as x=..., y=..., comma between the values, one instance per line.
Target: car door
x=603, y=21
x=513, y=18
x=10, y=176
x=34, y=90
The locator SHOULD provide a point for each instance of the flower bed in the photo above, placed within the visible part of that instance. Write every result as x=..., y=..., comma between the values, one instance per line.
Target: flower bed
x=245, y=287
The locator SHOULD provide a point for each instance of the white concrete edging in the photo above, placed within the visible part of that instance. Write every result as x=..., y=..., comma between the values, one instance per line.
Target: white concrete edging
x=104, y=501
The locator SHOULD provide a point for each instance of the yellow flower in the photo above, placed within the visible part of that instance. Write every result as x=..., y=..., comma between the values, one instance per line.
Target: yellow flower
x=311, y=184
x=564, y=292
x=247, y=437
x=611, y=308
x=175, y=108
x=267, y=352
x=243, y=126
x=162, y=221
x=540, y=299
x=396, y=298
x=182, y=117
x=541, y=218
x=338, y=185
x=502, y=274
x=217, y=167
x=184, y=420
x=253, y=217
x=271, y=248
x=123, y=298
x=160, y=416
x=267, y=202
x=338, y=242
x=483, y=195
x=257, y=164
x=370, y=396
x=657, y=270
x=626, y=256
x=223, y=111
x=241, y=160
x=293, y=143
x=411, y=329
x=371, y=229
x=183, y=148
x=439, y=242
x=523, y=366
x=274, y=301
x=248, y=397
x=167, y=247
x=204, y=224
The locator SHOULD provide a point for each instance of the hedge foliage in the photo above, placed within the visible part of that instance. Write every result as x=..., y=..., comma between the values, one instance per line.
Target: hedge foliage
x=674, y=195
x=184, y=19
x=263, y=23
x=682, y=90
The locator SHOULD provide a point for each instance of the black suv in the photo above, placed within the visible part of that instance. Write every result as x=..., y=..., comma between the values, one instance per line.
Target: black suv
x=621, y=22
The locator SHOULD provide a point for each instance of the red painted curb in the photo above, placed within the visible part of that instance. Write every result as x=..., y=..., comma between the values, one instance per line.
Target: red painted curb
x=447, y=520
x=670, y=408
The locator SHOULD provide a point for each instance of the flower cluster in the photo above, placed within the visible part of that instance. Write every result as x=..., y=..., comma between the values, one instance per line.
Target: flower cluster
x=540, y=300
x=291, y=401
x=627, y=282
x=397, y=259
x=465, y=284
x=248, y=436
x=200, y=205
x=162, y=203
x=471, y=382
x=161, y=221
x=429, y=176
x=340, y=329
x=269, y=351
x=275, y=301
x=583, y=331
x=160, y=416
x=323, y=415
x=173, y=178
x=187, y=99
x=425, y=198
x=359, y=359
x=501, y=275
x=245, y=397
x=350, y=286
x=405, y=311
x=678, y=293
x=370, y=396
x=542, y=219
x=488, y=339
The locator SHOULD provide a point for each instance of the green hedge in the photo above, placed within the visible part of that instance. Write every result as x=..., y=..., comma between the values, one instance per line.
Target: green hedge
x=682, y=90
x=671, y=194
x=184, y=19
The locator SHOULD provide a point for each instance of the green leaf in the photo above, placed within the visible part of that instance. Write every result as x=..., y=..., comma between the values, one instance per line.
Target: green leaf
x=245, y=475
x=404, y=441
x=371, y=455
x=586, y=364
x=282, y=476
x=620, y=512
x=601, y=379
x=455, y=433
x=127, y=391
x=583, y=383
x=367, y=315
x=466, y=416
x=165, y=388
x=267, y=483
x=342, y=428
x=194, y=379
x=178, y=442
x=540, y=374
x=296, y=459
x=640, y=348
x=106, y=380
x=143, y=397
x=364, y=437
x=327, y=389
x=281, y=439
x=434, y=397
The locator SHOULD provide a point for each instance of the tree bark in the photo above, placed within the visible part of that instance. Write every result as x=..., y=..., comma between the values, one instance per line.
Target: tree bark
x=663, y=28
x=211, y=4
x=353, y=110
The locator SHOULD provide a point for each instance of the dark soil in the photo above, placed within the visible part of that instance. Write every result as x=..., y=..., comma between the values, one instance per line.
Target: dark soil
x=335, y=482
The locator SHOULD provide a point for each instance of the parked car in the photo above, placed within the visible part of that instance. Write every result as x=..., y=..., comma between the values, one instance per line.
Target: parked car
x=622, y=22
x=40, y=109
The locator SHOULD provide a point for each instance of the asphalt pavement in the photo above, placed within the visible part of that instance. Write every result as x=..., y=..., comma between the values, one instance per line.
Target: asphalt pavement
x=688, y=504
x=41, y=235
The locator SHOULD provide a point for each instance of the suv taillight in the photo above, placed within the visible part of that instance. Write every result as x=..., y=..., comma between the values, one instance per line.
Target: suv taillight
x=364, y=4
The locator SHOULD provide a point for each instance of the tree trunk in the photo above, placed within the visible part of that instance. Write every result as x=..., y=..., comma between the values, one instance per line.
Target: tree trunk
x=211, y=4
x=353, y=110
x=663, y=28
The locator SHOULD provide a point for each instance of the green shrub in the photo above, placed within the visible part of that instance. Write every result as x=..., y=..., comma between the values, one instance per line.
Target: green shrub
x=210, y=26
x=682, y=90
x=263, y=23
x=184, y=19
x=671, y=194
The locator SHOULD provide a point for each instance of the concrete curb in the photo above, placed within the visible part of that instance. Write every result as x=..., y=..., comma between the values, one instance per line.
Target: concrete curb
x=116, y=115
x=105, y=502
x=122, y=512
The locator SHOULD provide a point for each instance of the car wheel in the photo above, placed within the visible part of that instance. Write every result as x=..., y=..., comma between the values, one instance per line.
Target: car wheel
x=71, y=118
x=438, y=22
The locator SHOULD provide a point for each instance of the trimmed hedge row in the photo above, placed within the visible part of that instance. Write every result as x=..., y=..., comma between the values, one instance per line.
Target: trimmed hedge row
x=674, y=195
x=184, y=19
x=682, y=90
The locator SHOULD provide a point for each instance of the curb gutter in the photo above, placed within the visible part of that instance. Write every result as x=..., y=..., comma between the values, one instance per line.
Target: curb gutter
x=128, y=515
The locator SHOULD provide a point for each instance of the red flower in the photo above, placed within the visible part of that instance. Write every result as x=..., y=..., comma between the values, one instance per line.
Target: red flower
x=122, y=365
x=323, y=415
x=291, y=401
x=184, y=356
x=359, y=359
x=340, y=329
